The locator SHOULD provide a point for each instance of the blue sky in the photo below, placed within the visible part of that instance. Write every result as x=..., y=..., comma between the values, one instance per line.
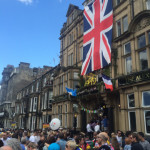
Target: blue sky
x=30, y=29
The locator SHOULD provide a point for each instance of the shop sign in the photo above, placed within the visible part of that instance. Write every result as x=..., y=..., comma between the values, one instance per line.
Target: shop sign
x=137, y=77
x=91, y=80
x=45, y=126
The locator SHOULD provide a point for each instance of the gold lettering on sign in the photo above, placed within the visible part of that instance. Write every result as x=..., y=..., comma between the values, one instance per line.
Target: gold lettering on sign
x=91, y=80
x=138, y=78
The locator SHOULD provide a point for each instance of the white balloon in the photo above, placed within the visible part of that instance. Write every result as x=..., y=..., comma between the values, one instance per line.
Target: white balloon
x=55, y=124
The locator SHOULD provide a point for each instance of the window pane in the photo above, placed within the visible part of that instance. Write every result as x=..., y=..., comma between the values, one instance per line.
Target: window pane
x=147, y=121
x=118, y=28
x=131, y=102
x=117, y=2
x=125, y=23
x=132, y=121
x=127, y=48
x=81, y=53
x=148, y=4
x=146, y=98
x=149, y=37
x=141, y=41
x=143, y=60
x=128, y=64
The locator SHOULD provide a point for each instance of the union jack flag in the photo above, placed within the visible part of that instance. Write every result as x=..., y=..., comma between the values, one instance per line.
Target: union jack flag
x=98, y=22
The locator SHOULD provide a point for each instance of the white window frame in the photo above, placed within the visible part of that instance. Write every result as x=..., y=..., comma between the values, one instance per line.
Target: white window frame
x=129, y=118
x=32, y=89
x=128, y=101
x=124, y=48
x=148, y=4
x=45, y=100
x=35, y=104
x=44, y=83
x=145, y=122
x=124, y=25
x=117, y=27
x=143, y=99
x=126, y=65
x=31, y=104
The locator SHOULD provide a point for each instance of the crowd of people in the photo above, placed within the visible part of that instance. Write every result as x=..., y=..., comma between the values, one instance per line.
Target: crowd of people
x=68, y=140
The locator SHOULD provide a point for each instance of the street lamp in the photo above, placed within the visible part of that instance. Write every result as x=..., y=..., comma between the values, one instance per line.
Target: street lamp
x=75, y=122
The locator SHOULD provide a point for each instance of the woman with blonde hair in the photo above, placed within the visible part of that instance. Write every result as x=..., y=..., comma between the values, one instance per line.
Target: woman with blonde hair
x=70, y=145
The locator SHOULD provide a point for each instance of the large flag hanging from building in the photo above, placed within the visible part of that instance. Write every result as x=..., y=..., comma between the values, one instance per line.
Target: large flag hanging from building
x=107, y=82
x=98, y=22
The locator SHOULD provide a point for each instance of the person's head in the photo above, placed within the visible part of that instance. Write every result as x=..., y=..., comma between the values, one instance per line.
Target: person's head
x=23, y=141
x=78, y=139
x=6, y=148
x=102, y=138
x=31, y=146
x=14, y=144
x=119, y=133
x=135, y=137
x=70, y=145
x=50, y=140
x=25, y=134
x=127, y=141
x=4, y=136
x=82, y=141
x=128, y=133
x=42, y=137
x=115, y=143
x=61, y=135
x=141, y=136
x=94, y=135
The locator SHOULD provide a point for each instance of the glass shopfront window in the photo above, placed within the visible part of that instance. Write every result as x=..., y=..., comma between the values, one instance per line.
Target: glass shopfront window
x=128, y=64
x=132, y=121
x=147, y=121
x=131, y=101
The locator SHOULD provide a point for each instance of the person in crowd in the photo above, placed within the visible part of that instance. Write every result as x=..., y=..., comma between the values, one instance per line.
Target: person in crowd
x=14, y=144
x=114, y=143
x=84, y=145
x=89, y=130
x=6, y=148
x=97, y=127
x=78, y=140
x=61, y=142
x=145, y=144
x=41, y=143
x=32, y=146
x=25, y=136
x=94, y=143
x=4, y=138
x=33, y=137
x=54, y=146
x=70, y=145
x=102, y=140
x=127, y=144
x=50, y=140
x=15, y=135
x=119, y=138
x=1, y=143
x=24, y=142
x=135, y=142
x=105, y=123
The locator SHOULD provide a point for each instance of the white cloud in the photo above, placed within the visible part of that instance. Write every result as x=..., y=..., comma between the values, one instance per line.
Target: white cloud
x=26, y=1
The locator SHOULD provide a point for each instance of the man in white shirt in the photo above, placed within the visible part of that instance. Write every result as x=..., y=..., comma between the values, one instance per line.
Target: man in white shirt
x=4, y=138
x=97, y=127
x=89, y=130
x=119, y=137
x=33, y=138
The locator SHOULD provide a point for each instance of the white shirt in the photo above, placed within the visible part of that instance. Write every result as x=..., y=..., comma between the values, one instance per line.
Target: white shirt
x=5, y=141
x=97, y=128
x=88, y=127
x=32, y=139
x=119, y=139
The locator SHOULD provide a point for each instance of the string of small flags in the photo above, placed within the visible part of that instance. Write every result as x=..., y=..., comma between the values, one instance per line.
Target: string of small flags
x=89, y=111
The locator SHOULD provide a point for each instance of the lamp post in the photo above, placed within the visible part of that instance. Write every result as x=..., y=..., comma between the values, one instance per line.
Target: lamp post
x=75, y=122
